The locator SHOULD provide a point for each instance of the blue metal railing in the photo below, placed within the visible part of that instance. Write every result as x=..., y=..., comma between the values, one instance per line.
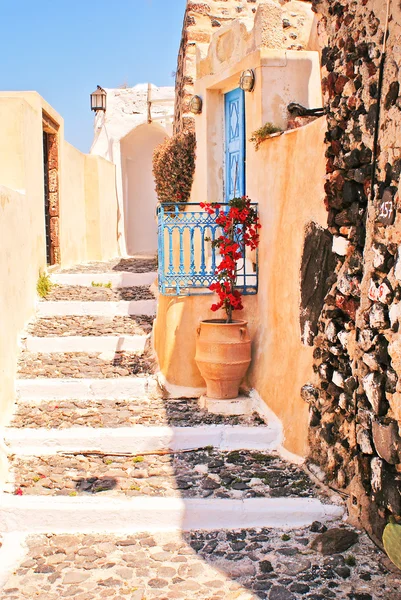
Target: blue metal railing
x=187, y=260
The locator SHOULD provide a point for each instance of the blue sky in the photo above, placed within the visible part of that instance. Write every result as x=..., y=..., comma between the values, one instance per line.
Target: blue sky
x=64, y=48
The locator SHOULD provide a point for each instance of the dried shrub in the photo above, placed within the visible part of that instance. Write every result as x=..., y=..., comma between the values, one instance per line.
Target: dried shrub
x=263, y=133
x=174, y=167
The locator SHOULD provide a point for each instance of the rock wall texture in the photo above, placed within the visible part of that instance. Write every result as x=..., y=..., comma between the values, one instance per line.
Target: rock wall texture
x=355, y=402
x=201, y=20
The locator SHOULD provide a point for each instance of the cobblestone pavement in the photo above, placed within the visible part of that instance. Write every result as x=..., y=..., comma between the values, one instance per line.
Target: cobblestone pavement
x=248, y=564
x=98, y=293
x=218, y=565
x=130, y=265
x=84, y=365
x=204, y=473
x=122, y=413
x=84, y=326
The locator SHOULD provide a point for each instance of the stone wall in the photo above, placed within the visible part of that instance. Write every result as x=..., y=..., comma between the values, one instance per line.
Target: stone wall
x=355, y=402
x=201, y=20
x=283, y=24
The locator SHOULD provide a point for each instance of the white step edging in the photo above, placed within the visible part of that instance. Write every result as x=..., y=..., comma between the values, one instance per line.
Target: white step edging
x=119, y=388
x=118, y=279
x=106, y=343
x=138, y=439
x=44, y=514
x=66, y=308
x=178, y=391
x=12, y=553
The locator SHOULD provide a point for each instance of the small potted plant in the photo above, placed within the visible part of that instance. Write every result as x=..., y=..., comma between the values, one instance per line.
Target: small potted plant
x=223, y=348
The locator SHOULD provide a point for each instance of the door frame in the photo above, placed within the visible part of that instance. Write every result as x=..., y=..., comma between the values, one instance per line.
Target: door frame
x=240, y=183
x=51, y=189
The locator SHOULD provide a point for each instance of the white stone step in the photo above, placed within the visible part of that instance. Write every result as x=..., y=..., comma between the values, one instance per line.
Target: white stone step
x=44, y=514
x=117, y=280
x=106, y=343
x=140, y=439
x=118, y=388
x=96, y=309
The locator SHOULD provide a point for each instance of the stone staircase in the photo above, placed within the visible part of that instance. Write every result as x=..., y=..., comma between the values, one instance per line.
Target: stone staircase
x=116, y=490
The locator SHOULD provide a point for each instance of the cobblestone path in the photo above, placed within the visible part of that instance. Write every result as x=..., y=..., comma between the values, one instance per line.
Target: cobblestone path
x=202, y=473
x=78, y=455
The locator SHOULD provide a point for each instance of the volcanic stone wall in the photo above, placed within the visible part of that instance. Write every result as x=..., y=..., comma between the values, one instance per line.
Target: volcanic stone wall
x=201, y=20
x=355, y=406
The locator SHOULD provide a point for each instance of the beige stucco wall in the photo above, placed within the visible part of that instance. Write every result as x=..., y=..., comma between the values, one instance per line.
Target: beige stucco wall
x=87, y=188
x=22, y=254
x=286, y=178
x=101, y=208
x=22, y=220
x=73, y=226
x=22, y=230
x=292, y=182
x=88, y=208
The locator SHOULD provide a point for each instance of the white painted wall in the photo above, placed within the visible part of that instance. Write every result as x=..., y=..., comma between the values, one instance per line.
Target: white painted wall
x=140, y=198
x=127, y=110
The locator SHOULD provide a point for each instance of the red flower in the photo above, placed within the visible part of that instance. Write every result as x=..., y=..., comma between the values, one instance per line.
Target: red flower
x=240, y=230
x=18, y=492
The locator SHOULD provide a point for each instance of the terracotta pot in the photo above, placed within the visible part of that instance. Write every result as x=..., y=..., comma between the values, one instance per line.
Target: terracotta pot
x=223, y=355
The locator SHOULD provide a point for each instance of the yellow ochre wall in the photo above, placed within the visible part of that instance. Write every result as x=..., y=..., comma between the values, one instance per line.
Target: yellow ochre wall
x=22, y=230
x=88, y=207
x=286, y=177
x=22, y=220
x=101, y=208
x=288, y=174
x=292, y=195
x=73, y=226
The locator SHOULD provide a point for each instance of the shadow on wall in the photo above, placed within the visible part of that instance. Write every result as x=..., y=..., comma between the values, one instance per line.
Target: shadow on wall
x=140, y=198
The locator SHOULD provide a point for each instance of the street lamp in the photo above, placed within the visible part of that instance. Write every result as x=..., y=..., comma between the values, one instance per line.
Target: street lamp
x=98, y=99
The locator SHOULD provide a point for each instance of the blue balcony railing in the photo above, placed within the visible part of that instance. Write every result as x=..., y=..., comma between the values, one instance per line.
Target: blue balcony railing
x=187, y=261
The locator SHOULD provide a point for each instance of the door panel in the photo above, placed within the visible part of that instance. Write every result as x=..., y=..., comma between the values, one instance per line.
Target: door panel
x=47, y=202
x=234, y=109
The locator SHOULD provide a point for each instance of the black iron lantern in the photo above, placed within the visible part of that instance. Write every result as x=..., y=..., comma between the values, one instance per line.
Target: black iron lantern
x=247, y=80
x=98, y=99
x=195, y=105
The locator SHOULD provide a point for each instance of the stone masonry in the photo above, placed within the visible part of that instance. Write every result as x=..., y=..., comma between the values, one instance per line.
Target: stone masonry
x=200, y=21
x=285, y=18
x=354, y=408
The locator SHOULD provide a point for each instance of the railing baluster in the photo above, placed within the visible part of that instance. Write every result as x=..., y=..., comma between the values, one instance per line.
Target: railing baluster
x=181, y=267
x=203, y=263
x=170, y=254
x=191, y=271
x=213, y=229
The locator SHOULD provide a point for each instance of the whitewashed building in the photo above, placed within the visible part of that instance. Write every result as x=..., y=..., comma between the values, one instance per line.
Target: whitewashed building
x=136, y=120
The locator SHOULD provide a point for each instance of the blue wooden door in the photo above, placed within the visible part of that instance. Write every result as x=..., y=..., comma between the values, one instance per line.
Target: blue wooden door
x=234, y=109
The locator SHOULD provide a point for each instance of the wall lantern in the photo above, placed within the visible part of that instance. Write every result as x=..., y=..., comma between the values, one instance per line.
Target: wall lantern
x=195, y=105
x=247, y=80
x=98, y=99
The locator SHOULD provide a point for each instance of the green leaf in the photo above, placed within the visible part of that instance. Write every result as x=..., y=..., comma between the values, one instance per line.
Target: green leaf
x=392, y=543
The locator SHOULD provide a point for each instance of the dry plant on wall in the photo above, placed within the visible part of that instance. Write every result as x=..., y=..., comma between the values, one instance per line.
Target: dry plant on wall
x=174, y=167
x=264, y=133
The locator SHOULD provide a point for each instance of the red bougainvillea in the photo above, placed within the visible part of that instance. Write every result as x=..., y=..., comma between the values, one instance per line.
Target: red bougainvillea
x=240, y=229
